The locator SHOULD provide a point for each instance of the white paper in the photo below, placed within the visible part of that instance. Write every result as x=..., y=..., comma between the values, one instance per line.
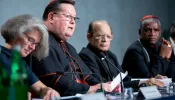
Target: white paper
x=141, y=79
x=117, y=80
x=166, y=81
x=150, y=92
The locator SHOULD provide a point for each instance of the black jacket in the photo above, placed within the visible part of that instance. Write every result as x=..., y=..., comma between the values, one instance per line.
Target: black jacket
x=93, y=60
x=58, y=62
x=141, y=61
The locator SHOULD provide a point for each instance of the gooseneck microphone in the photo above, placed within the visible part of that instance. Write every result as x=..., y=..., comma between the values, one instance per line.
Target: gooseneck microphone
x=74, y=73
x=105, y=58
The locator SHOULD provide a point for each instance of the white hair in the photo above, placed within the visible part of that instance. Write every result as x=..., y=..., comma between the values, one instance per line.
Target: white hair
x=15, y=27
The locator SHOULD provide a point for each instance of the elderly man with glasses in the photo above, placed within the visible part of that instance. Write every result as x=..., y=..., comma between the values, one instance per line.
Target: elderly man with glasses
x=60, y=20
x=101, y=60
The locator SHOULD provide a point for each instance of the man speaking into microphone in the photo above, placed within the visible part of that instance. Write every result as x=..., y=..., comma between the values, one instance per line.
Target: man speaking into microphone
x=60, y=20
x=100, y=59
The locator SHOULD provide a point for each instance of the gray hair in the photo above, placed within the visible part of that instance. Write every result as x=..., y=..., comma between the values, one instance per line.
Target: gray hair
x=149, y=20
x=15, y=27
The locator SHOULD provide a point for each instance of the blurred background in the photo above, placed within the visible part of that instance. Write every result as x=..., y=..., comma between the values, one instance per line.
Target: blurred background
x=123, y=16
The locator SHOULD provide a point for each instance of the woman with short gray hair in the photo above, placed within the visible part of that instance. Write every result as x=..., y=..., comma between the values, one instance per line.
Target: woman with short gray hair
x=30, y=35
x=16, y=27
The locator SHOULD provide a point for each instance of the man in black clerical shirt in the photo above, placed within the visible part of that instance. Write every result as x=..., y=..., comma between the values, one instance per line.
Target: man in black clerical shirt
x=60, y=20
x=148, y=57
x=99, y=36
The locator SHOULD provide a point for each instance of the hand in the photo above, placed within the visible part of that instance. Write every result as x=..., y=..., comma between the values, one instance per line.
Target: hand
x=105, y=86
x=29, y=96
x=160, y=76
x=50, y=94
x=153, y=81
x=165, y=49
x=94, y=88
x=117, y=89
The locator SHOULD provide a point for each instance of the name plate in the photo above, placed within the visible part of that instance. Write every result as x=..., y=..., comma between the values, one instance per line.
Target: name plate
x=150, y=92
x=95, y=96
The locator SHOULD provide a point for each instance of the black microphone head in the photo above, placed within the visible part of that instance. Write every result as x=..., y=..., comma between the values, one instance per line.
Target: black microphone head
x=142, y=85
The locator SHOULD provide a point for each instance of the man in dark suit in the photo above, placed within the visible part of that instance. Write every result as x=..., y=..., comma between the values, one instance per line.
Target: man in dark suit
x=99, y=37
x=172, y=59
x=148, y=57
x=172, y=39
x=59, y=18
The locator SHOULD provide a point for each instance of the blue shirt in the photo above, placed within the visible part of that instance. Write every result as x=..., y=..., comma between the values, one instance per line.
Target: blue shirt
x=6, y=58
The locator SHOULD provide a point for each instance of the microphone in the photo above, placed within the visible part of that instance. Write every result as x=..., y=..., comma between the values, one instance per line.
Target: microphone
x=65, y=73
x=121, y=82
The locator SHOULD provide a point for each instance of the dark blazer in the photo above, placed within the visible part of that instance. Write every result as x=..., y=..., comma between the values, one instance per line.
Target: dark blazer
x=141, y=64
x=171, y=70
x=93, y=60
x=57, y=62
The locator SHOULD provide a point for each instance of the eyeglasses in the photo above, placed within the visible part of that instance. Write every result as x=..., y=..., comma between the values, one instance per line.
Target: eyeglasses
x=31, y=40
x=100, y=37
x=69, y=17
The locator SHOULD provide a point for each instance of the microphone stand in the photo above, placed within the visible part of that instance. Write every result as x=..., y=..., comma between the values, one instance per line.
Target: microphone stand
x=121, y=82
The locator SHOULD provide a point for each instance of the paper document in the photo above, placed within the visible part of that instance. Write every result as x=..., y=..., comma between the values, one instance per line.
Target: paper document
x=117, y=80
x=166, y=81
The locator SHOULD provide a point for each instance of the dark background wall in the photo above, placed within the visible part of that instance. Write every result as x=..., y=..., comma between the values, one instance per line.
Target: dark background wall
x=171, y=9
x=123, y=16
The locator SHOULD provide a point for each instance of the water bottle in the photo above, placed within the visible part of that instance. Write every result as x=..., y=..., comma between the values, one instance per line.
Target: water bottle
x=18, y=87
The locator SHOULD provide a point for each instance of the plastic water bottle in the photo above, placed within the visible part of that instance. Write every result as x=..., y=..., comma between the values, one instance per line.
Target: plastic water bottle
x=18, y=86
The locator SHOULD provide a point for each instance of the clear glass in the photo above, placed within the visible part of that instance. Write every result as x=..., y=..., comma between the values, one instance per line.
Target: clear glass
x=171, y=89
x=128, y=94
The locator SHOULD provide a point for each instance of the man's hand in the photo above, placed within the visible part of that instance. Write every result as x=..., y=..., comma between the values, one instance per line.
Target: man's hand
x=44, y=91
x=165, y=49
x=117, y=89
x=153, y=81
x=50, y=94
x=160, y=77
x=105, y=86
